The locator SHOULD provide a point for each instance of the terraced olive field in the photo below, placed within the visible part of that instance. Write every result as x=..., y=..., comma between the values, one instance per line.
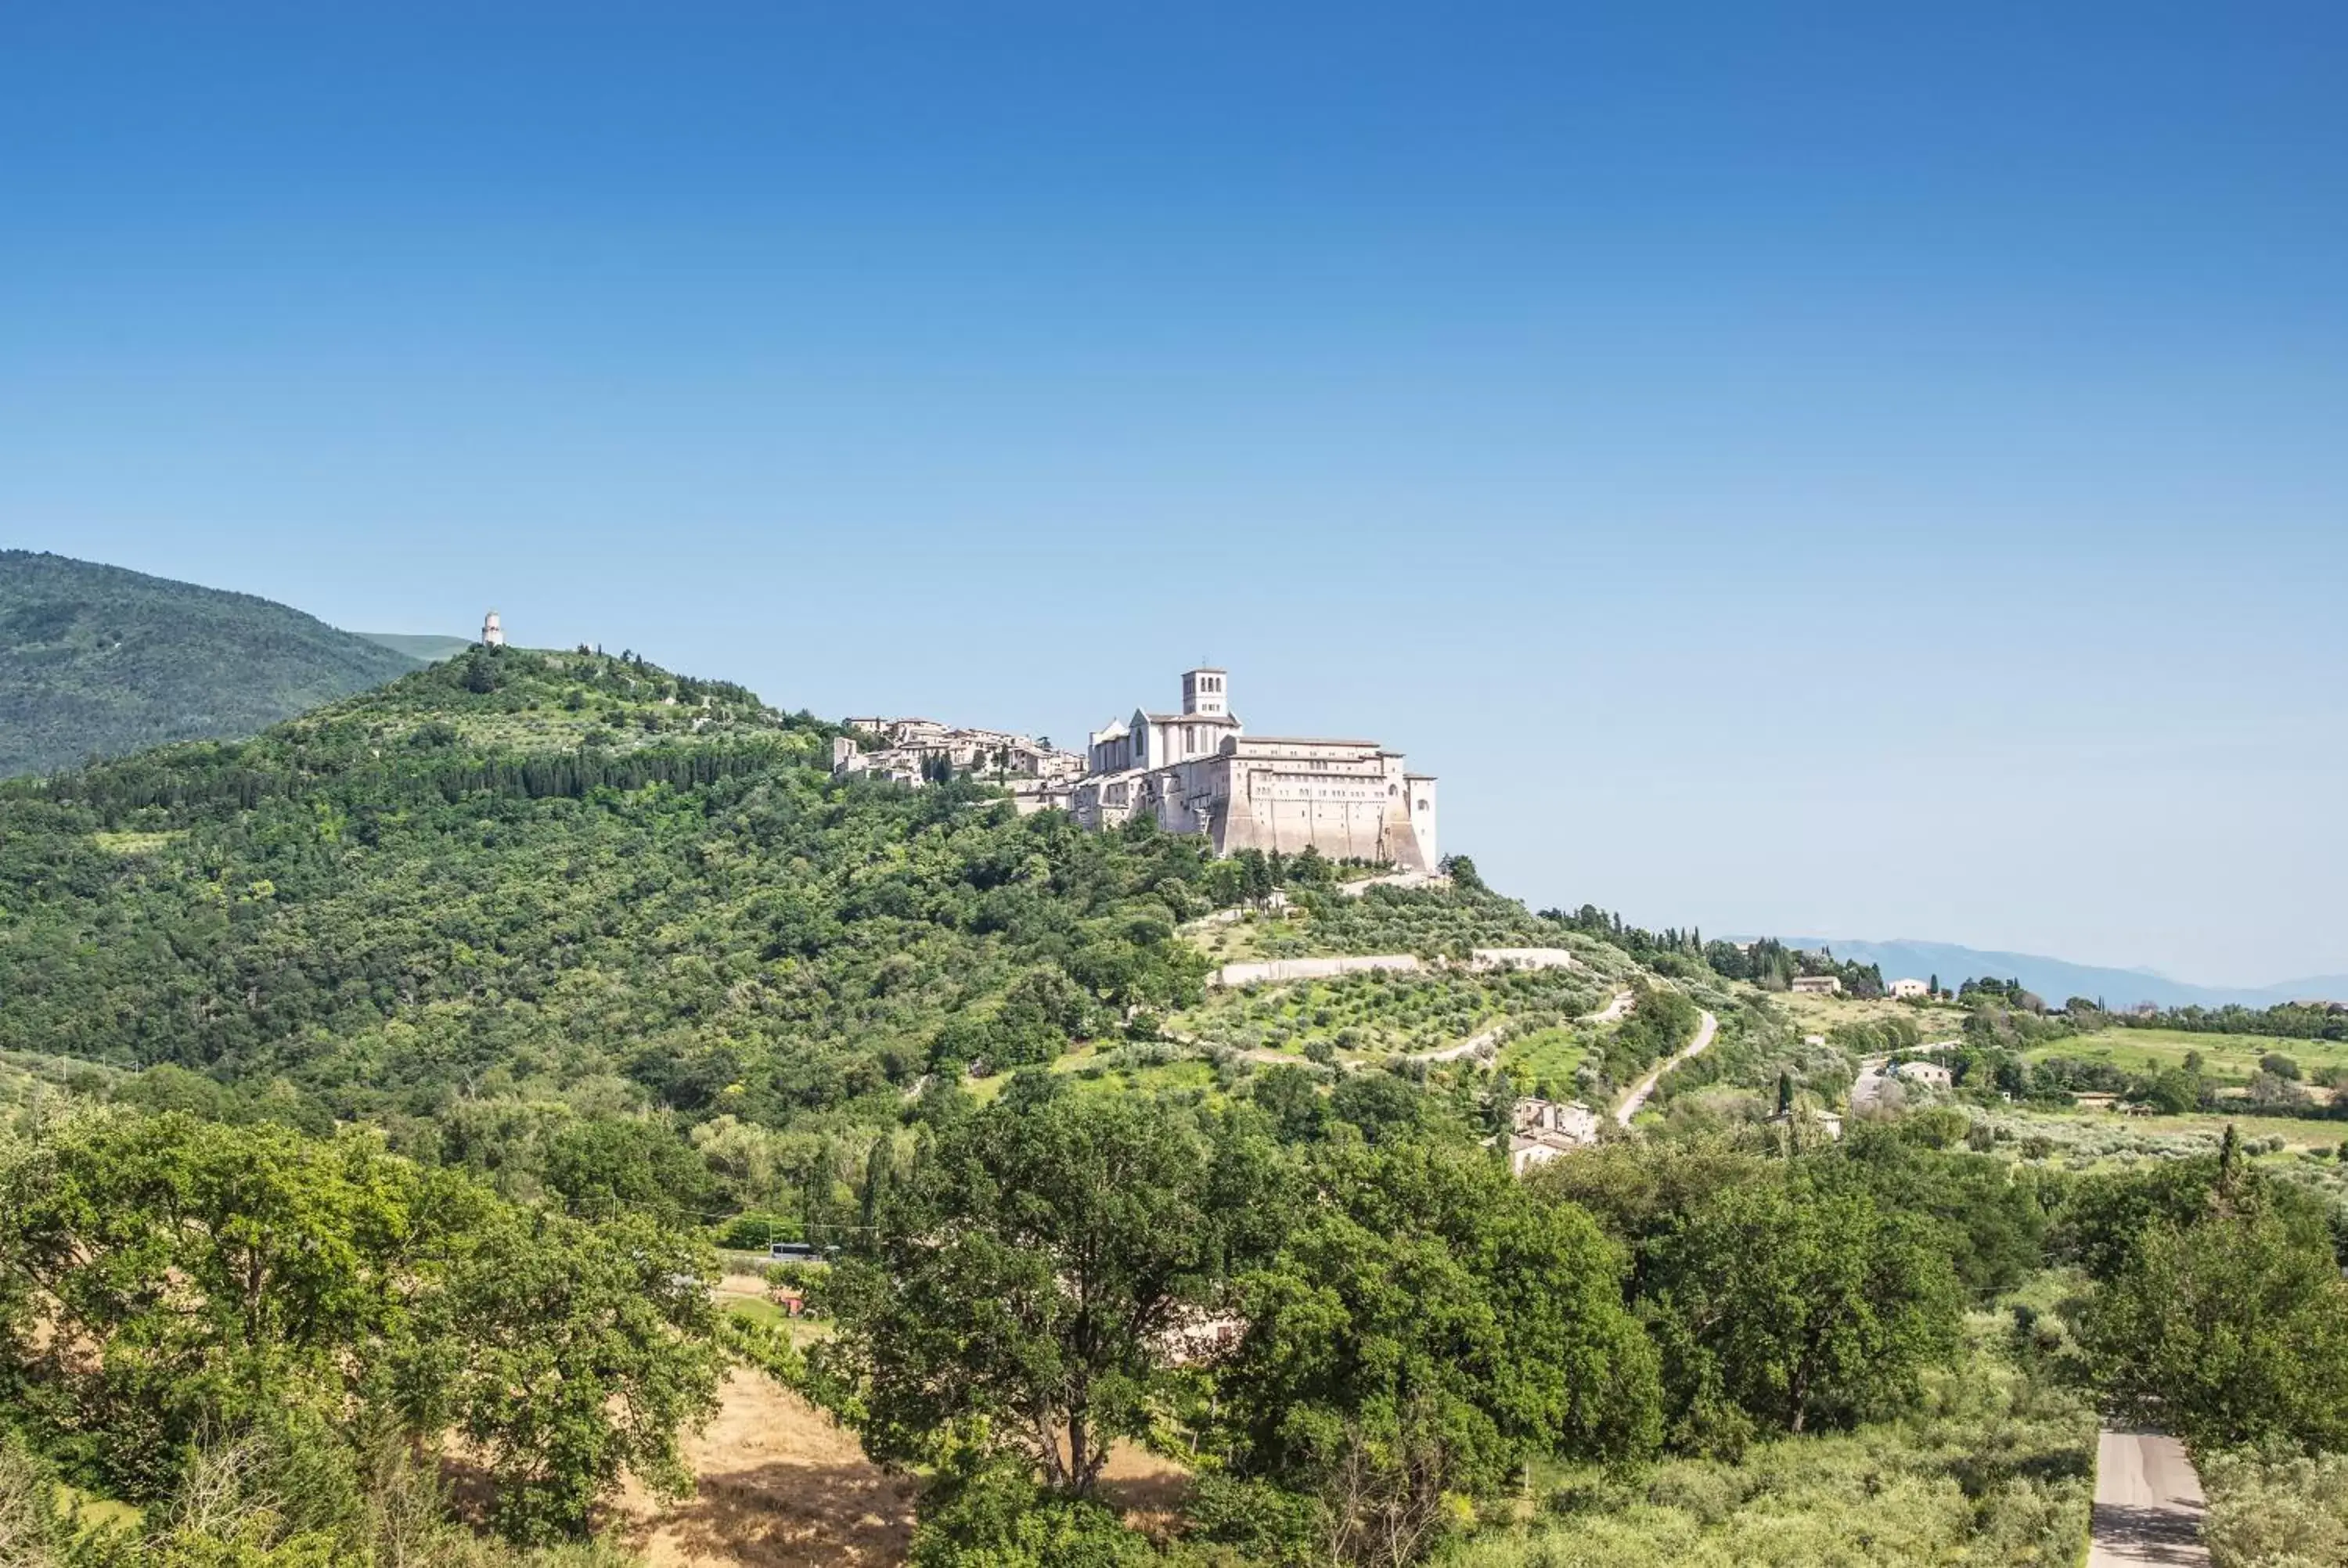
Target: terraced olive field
x=1400, y=920
x=1383, y=1013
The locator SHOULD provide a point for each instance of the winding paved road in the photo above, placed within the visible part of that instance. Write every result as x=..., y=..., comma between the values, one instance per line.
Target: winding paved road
x=1646, y=1086
x=2149, y=1503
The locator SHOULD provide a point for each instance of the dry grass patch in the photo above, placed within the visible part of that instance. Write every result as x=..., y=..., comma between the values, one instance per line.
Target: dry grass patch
x=779, y=1485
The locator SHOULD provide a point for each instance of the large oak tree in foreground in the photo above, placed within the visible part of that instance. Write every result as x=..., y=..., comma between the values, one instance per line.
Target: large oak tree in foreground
x=1024, y=1281
x=1429, y=1325
x=1797, y=1305
x=2218, y=1309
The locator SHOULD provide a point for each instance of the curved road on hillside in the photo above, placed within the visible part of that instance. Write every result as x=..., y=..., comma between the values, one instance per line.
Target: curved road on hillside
x=2149, y=1503
x=1613, y=1009
x=1646, y=1086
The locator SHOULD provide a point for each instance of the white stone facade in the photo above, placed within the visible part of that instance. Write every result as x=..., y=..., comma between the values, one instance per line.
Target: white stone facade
x=1198, y=771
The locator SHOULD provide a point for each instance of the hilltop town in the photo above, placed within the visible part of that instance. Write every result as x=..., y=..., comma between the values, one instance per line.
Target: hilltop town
x=1196, y=771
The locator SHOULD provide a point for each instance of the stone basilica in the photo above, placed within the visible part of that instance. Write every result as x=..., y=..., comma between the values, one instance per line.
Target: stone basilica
x=1198, y=771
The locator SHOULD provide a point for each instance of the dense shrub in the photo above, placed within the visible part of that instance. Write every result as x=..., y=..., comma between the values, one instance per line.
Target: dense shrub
x=2275, y=1509
x=1989, y=1468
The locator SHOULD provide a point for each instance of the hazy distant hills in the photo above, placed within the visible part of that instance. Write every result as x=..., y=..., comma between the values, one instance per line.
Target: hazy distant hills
x=96, y=661
x=2057, y=979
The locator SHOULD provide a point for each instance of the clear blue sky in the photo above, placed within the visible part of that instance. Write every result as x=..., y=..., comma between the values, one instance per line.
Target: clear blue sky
x=1850, y=468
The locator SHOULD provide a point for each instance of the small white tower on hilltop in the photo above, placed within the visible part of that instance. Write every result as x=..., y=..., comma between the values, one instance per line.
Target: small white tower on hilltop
x=492, y=634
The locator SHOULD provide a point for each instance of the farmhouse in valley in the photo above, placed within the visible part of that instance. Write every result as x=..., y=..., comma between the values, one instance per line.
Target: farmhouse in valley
x=1198, y=771
x=1546, y=1129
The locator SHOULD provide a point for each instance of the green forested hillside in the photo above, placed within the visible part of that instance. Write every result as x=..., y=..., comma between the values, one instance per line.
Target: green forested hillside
x=521, y=893
x=99, y=662
x=415, y=1052
x=528, y=876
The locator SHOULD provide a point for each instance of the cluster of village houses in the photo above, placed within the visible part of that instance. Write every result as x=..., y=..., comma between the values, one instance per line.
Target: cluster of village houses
x=911, y=751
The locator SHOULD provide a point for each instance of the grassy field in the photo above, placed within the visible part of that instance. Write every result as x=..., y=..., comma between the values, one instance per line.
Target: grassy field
x=1547, y=1057
x=1127, y=1071
x=1818, y=1015
x=91, y=1512
x=741, y=1292
x=757, y=1309
x=2231, y=1057
x=1238, y=941
x=2302, y=1150
x=2296, y=1131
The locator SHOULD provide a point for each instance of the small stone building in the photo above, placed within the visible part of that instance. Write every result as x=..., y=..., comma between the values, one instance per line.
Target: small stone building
x=1547, y=1129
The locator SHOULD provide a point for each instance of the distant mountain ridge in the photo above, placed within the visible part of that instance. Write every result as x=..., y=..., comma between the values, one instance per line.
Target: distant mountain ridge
x=2058, y=979
x=98, y=661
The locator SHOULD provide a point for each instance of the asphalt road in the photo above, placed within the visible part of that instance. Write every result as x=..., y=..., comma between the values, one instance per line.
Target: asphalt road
x=2149, y=1503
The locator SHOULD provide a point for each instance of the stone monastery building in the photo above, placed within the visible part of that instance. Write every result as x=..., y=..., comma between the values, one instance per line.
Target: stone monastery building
x=1199, y=772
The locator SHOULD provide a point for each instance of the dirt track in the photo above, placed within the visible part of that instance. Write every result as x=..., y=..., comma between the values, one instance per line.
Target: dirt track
x=780, y=1487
